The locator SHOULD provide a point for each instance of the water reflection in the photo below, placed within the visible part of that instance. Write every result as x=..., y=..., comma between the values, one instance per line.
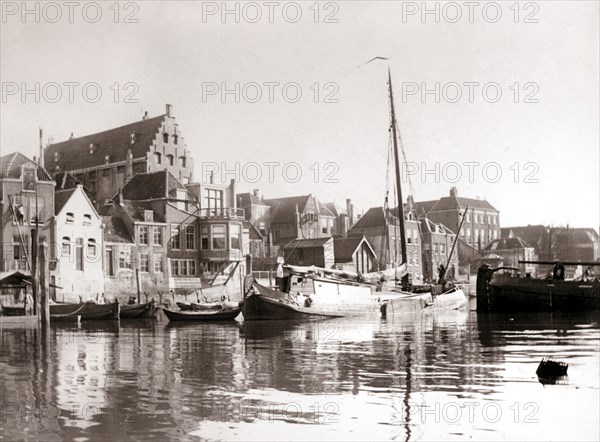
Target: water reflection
x=336, y=379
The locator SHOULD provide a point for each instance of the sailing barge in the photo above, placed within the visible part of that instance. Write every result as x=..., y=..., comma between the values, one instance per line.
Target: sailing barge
x=503, y=290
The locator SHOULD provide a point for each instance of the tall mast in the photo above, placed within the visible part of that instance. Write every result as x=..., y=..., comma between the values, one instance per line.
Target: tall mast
x=398, y=187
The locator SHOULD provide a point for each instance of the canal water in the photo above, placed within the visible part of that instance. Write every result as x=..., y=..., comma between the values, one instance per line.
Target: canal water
x=450, y=376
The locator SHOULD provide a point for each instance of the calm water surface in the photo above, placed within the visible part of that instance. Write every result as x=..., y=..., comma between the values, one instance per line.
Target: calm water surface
x=451, y=376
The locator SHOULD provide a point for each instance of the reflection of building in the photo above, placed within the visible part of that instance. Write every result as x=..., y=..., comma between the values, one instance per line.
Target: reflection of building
x=26, y=191
x=79, y=245
x=106, y=160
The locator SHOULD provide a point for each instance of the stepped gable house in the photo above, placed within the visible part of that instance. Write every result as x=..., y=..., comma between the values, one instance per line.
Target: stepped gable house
x=104, y=161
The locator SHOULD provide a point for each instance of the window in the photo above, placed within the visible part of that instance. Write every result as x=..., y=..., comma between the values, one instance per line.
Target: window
x=144, y=263
x=125, y=258
x=213, y=199
x=324, y=225
x=105, y=172
x=175, y=139
x=165, y=137
x=175, y=238
x=87, y=219
x=158, y=263
x=190, y=238
x=121, y=169
x=204, y=237
x=235, y=233
x=157, y=237
x=66, y=246
x=144, y=235
x=79, y=254
x=170, y=160
x=70, y=217
x=28, y=178
x=17, y=247
x=218, y=237
x=157, y=157
x=92, y=250
x=175, y=267
x=262, y=228
x=110, y=268
x=182, y=161
x=191, y=267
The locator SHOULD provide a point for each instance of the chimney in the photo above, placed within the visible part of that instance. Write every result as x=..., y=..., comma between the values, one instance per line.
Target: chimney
x=129, y=164
x=41, y=148
x=255, y=191
x=349, y=210
x=145, y=117
x=169, y=110
x=410, y=204
x=71, y=137
x=120, y=196
x=212, y=177
x=453, y=192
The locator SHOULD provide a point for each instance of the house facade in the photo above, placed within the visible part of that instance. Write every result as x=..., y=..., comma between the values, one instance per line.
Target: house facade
x=511, y=251
x=354, y=255
x=27, y=194
x=381, y=228
x=482, y=221
x=104, y=161
x=78, y=236
x=306, y=252
x=437, y=246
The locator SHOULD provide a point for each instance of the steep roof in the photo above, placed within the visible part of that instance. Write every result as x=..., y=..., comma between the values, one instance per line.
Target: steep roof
x=374, y=218
x=115, y=230
x=151, y=185
x=457, y=202
x=284, y=209
x=75, y=153
x=135, y=210
x=60, y=199
x=254, y=233
x=423, y=207
x=530, y=234
x=307, y=243
x=247, y=199
x=344, y=248
x=430, y=226
x=513, y=243
x=10, y=167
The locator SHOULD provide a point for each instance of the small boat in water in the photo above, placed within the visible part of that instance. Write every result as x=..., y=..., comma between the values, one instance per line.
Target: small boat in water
x=139, y=311
x=87, y=311
x=503, y=290
x=223, y=314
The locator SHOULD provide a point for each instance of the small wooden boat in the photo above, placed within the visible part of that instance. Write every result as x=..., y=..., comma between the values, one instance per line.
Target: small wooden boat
x=87, y=310
x=203, y=316
x=184, y=306
x=138, y=311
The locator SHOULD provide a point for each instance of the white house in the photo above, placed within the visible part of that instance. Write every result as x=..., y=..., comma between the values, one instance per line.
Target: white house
x=77, y=248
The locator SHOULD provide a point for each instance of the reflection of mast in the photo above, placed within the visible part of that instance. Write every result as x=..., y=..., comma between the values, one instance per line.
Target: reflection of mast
x=406, y=401
x=398, y=187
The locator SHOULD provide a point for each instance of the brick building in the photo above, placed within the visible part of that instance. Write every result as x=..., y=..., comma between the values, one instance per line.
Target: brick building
x=104, y=161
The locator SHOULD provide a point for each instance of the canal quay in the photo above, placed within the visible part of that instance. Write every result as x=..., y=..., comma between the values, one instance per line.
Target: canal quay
x=299, y=221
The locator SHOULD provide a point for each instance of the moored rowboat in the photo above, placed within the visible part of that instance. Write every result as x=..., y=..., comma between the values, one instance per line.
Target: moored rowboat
x=202, y=316
x=138, y=311
x=87, y=310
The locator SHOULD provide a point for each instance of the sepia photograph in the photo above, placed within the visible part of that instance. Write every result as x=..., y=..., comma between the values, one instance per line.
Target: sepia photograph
x=300, y=220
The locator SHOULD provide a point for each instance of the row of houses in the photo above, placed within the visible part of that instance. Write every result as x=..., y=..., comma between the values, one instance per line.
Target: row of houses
x=122, y=213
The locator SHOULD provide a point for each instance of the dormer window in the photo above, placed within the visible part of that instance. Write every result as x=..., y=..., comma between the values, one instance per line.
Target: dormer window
x=87, y=219
x=132, y=138
x=165, y=137
x=107, y=159
x=70, y=217
x=148, y=216
x=93, y=147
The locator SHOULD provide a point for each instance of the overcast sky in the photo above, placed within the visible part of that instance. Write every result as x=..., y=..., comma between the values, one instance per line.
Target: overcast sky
x=185, y=53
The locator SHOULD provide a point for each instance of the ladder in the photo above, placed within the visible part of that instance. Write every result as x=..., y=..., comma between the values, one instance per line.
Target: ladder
x=12, y=206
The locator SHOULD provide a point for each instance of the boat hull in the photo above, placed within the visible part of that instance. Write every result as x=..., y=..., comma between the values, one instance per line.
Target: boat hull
x=203, y=316
x=258, y=307
x=138, y=311
x=87, y=311
x=500, y=292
